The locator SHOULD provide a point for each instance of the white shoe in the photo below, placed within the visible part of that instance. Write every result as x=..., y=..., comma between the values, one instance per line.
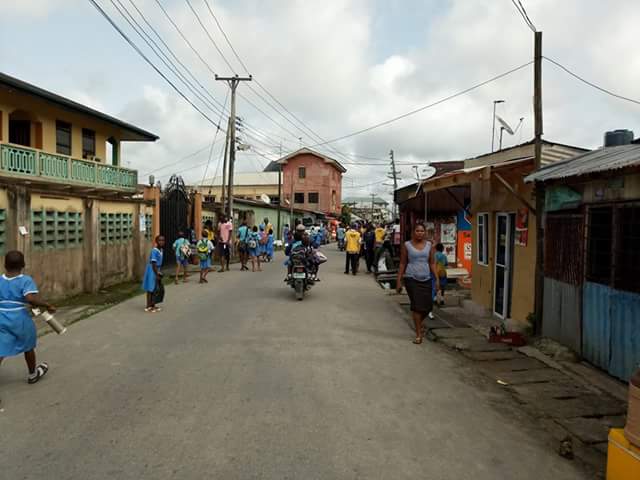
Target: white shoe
x=431, y=317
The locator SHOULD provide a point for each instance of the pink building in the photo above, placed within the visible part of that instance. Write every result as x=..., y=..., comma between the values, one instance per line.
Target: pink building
x=314, y=179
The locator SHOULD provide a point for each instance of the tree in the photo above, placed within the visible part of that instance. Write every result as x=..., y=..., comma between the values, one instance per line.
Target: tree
x=345, y=215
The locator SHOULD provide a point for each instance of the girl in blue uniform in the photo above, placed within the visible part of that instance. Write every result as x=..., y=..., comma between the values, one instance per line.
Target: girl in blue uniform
x=254, y=248
x=152, y=274
x=17, y=329
x=269, y=247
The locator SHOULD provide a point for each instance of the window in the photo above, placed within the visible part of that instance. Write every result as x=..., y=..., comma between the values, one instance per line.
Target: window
x=302, y=172
x=313, y=197
x=148, y=225
x=627, y=254
x=88, y=143
x=116, y=227
x=483, y=238
x=599, y=245
x=53, y=229
x=63, y=137
x=298, y=197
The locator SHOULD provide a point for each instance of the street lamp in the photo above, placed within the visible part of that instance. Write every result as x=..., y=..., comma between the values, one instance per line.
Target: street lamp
x=493, y=124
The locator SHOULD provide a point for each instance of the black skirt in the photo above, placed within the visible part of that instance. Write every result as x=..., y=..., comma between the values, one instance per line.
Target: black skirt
x=420, y=295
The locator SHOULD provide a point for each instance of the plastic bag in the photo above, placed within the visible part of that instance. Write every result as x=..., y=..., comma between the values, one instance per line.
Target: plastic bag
x=158, y=293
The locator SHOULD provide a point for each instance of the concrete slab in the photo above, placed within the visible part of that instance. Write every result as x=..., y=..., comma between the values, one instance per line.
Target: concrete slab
x=533, y=376
x=588, y=430
x=455, y=333
x=491, y=356
x=474, y=345
x=583, y=406
x=515, y=365
x=531, y=392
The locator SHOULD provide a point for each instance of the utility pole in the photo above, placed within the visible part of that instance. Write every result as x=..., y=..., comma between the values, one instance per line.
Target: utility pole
x=538, y=130
x=394, y=174
x=224, y=166
x=373, y=197
x=233, y=83
x=291, y=201
x=280, y=193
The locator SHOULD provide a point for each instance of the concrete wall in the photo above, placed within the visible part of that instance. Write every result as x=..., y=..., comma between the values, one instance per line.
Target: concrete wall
x=85, y=266
x=43, y=116
x=489, y=196
x=321, y=177
x=249, y=192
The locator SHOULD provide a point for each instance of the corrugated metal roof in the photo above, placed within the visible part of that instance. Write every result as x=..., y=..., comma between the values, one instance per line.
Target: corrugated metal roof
x=601, y=160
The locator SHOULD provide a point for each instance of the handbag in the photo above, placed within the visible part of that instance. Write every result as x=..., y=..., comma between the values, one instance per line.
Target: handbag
x=158, y=293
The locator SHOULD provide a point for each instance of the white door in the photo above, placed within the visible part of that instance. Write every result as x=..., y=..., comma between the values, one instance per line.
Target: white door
x=503, y=264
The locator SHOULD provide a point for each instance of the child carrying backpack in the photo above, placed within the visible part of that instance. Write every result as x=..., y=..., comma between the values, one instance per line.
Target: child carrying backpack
x=204, y=248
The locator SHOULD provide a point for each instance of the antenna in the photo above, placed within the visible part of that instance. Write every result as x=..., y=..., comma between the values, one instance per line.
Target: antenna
x=505, y=125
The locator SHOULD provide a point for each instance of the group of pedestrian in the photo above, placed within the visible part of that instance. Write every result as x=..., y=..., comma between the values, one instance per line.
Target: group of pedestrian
x=366, y=240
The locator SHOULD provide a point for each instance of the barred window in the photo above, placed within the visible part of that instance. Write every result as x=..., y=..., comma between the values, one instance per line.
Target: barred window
x=148, y=222
x=116, y=227
x=52, y=229
x=483, y=238
x=3, y=231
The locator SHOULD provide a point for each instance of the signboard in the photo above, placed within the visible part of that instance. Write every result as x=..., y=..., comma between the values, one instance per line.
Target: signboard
x=522, y=227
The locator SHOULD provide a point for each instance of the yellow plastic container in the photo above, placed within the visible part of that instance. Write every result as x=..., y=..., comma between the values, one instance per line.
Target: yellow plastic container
x=623, y=460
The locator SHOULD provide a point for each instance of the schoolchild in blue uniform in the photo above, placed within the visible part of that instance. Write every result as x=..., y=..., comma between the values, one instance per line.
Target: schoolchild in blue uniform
x=254, y=249
x=152, y=274
x=269, y=246
x=17, y=330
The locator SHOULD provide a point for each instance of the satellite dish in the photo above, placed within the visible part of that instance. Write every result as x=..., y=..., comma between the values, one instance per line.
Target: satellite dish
x=427, y=172
x=265, y=198
x=505, y=125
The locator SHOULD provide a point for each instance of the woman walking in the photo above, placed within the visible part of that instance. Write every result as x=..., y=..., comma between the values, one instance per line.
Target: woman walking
x=418, y=270
x=152, y=274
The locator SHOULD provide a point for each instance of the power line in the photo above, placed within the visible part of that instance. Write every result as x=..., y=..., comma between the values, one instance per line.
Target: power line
x=141, y=53
x=366, y=185
x=523, y=14
x=166, y=165
x=215, y=137
x=591, y=84
x=418, y=110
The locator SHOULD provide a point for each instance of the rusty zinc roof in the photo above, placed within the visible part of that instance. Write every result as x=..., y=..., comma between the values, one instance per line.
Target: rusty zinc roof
x=601, y=160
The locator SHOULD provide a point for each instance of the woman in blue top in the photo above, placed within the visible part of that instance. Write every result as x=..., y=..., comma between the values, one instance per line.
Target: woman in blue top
x=417, y=271
x=17, y=329
x=152, y=274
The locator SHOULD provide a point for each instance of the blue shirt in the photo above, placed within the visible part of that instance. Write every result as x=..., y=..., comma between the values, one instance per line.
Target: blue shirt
x=13, y=292
x=242, y=233
x=177, y=245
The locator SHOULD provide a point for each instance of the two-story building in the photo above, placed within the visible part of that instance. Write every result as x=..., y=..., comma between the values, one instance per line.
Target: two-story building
x=65, y=200
x=311, y=180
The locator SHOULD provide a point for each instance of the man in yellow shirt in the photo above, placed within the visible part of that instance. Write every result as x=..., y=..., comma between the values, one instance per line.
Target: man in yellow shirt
x=352, y=241
x=380, y=233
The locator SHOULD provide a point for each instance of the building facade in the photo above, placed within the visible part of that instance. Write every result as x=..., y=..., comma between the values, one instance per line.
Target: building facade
x=311, y=181
x=247, y=186
x=65, y=201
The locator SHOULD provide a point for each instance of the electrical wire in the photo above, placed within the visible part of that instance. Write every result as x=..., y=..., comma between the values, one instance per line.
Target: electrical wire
x=151, y=64
x=523, y=14
x=418, y=110
x=365, y=185
x=591, y=84
x=215, y=137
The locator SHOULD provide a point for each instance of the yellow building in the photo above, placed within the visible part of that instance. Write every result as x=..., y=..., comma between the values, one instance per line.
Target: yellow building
x=503, y=218
x=65, y=201
x=247, y=186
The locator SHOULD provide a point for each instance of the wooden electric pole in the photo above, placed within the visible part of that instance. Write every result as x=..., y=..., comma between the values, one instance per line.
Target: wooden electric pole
x=539, y=192
x=224, y=166
x=233, y=85
x=394, y=174
x=278, y=235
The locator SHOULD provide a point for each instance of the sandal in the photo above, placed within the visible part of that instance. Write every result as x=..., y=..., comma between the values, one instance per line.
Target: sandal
x=41, y=371
x=418, y=340
x=157, y=309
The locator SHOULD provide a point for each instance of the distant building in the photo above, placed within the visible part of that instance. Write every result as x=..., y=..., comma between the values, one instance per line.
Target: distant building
x=310, y=180
x=65, y=200
x=374, y=209
x=248, y=186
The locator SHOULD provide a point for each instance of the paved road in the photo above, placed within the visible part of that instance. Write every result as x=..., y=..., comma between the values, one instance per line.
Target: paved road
x=235, y=380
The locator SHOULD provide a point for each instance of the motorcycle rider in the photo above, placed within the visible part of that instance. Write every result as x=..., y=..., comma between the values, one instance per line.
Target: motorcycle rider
x=340, y=237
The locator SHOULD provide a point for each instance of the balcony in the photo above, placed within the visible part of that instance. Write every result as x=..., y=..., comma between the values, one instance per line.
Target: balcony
x=36, y=165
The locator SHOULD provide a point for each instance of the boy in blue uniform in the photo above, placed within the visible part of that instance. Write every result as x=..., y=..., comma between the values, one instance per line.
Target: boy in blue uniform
x=17, y=330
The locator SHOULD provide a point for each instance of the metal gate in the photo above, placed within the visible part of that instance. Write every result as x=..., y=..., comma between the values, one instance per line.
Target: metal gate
x=174, y=215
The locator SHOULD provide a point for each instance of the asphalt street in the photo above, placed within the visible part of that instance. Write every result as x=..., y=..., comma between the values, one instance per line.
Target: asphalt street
x=237, y=380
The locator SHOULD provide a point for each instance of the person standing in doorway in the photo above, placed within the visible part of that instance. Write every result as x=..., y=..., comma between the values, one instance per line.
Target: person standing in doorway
x=17, y=329
x=182, y=249
x=417, y=271
x=369, y=242
x=353, y=240
x=243, y=249
x=224, y=237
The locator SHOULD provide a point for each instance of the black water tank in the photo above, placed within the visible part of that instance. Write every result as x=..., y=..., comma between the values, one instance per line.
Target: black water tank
x=618, y=137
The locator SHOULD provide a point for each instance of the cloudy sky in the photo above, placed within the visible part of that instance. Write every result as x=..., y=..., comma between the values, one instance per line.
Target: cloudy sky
x=338, y=66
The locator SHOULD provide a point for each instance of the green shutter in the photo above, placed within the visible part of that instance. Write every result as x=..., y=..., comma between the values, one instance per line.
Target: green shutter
x=3, y=232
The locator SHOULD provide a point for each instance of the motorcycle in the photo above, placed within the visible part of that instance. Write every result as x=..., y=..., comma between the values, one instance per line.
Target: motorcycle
x=301, y=277
x=341, y=244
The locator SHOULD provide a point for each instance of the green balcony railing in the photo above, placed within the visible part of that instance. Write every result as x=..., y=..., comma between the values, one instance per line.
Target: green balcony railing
x=26, y=162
